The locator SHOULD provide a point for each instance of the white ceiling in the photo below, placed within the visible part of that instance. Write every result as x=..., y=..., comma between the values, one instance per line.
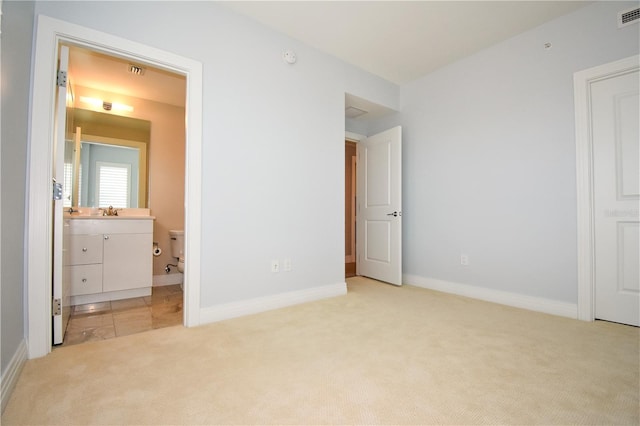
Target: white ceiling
x=397, y=40
x=401, y=41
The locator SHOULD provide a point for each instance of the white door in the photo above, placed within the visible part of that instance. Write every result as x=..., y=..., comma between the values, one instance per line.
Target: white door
x=60, y=286
x=379, y=207
x=616, y=181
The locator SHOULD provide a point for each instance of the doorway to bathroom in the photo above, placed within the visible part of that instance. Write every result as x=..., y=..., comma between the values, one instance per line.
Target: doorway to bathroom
x=51, y=33
x=125, y=134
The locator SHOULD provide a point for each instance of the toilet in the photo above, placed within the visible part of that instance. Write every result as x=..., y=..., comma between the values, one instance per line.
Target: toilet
x=177, y=247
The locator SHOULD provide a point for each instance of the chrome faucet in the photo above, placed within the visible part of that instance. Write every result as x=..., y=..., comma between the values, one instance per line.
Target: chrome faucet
x=110, y=211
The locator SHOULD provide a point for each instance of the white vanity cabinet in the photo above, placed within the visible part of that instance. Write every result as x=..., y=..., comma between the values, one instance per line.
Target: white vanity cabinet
x=108, y=258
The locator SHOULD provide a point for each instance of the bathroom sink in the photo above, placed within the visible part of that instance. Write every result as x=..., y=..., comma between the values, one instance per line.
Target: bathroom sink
x=95, y=213
x=134, y=212
x=87, y=211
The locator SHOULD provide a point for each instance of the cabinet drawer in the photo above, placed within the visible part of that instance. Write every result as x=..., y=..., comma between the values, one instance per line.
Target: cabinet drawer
x=83, y=249
x=84, y=279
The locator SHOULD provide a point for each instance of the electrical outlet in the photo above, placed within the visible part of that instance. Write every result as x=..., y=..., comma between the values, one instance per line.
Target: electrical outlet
x=286, y=265
x=275, y=266
x=464, y=259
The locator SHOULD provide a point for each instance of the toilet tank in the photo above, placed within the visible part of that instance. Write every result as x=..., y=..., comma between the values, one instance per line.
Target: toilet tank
x=177, y=243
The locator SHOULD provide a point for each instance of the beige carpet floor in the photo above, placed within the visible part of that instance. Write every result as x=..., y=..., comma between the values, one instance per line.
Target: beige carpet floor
x=379, y=355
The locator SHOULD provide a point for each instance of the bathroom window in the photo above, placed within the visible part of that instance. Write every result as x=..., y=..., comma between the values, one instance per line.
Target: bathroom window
x=67, y=185
x=68, y=176
x=80, y=199
x=113, y=184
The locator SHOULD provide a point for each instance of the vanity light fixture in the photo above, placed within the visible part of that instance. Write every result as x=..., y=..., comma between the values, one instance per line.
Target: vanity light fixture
x=121, y=107
x=91, y=101
x=107, y=106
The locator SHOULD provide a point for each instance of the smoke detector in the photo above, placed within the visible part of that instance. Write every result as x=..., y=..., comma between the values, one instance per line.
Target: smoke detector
x=289, y=56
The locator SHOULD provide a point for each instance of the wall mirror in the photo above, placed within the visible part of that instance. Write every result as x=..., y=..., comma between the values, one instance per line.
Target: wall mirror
x=106, y=160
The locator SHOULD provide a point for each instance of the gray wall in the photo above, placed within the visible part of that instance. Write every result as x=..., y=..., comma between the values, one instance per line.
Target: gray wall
x=356, y=126
x=489, y=157
x=272, y=189
x=17, y=26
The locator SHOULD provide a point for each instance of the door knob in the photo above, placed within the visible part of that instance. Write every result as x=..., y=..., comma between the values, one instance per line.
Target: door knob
x=394, y=214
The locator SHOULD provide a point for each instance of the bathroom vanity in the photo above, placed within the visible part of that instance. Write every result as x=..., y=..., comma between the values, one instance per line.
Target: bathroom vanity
x=107, y=257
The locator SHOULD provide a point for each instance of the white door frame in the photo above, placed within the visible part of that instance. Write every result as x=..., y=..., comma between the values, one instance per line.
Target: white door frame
x=582, y=81
x=50, y=32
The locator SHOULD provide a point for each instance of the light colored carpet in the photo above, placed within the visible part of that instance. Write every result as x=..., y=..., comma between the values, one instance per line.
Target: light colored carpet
x=379, y=355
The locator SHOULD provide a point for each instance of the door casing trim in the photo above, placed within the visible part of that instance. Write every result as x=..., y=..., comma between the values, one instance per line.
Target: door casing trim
x=38, y=238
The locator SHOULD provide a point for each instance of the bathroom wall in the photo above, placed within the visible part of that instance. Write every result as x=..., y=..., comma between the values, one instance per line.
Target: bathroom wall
x=166, y=168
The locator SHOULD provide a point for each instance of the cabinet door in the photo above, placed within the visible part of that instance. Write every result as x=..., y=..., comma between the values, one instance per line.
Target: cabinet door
x=127, y=261
x=84, y=279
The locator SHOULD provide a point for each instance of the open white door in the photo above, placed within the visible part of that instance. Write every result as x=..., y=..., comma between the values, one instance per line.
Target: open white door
x=379, y=207
x=616, y=190
x=60, y=293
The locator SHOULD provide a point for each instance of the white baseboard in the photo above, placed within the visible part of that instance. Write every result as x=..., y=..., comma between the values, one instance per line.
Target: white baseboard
x=167, y=279
x=547, y=306
x=10, y=376
x=267, y=303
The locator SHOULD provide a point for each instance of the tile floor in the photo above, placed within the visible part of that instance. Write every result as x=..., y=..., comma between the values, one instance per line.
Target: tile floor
x=106, y=320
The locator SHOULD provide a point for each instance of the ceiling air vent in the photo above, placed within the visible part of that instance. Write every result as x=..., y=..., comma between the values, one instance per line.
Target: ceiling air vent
x=628, y=17
x=135, y=69
x=353, y=112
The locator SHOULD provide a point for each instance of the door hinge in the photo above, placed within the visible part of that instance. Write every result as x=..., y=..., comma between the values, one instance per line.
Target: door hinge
x=61, y=79
x=57, y=191
x=56, y=307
